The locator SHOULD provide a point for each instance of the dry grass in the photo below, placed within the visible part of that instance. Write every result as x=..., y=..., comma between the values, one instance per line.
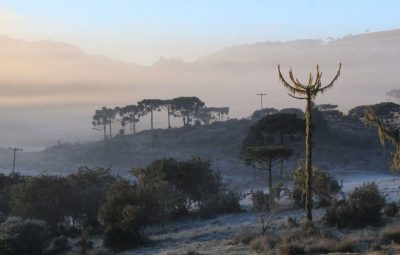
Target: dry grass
x=390, y=234
x=346, y=245
x=246, y=236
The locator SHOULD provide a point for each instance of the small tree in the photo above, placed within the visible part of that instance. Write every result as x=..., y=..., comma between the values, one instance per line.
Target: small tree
x=264, y=157
x=308, y=92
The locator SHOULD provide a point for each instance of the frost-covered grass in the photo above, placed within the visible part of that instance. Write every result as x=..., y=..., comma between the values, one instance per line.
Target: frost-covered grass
x=241, y=233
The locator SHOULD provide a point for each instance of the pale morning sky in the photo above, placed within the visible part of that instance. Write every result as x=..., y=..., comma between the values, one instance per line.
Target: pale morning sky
x=143, y=31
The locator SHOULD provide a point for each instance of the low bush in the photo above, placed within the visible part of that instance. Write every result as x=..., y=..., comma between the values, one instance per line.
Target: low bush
x=362, y=207
x=324, y=188
x=222, y=202
x=20, y=237
x=58, y=245
x=260, y=201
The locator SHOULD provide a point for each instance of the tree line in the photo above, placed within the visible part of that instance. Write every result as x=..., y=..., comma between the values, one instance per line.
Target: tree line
x=192, y=110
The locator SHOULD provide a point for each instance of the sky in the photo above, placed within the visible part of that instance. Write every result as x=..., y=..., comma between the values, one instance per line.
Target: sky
x=143, y=31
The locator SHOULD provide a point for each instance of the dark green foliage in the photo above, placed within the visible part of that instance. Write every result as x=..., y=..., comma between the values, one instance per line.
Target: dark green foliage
x=6, y=182
x=124, y=216
x=220, y=203
x=58, y=245
x=391, y=209
x=260, y=201
x=384, y=110
x=194, y=178
x=279, y=124
x=324, y=188
x=44, y=197
x=88, y=187
x=362, y=207
x=23, y=237
x=65, y=203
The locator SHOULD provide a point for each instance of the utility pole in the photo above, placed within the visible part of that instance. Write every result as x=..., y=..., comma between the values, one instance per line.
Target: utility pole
x=15, y=149
x=261, y=97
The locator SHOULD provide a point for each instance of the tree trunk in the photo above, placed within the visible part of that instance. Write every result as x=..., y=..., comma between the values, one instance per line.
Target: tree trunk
x=308, y=160
x=105, y=130
x=271, y=195
x=109, y=127
x=151, y=118
x=169, y=114
x=134, y=124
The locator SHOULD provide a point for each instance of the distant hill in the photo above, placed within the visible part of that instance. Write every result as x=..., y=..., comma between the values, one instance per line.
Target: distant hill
x=343, y=144
x=57, y=85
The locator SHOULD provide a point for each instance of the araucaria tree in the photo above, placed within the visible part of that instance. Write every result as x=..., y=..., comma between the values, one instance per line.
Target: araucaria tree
x=149, y=106
x=308, y=92
x=130, y=115
x=186, y=107
x=386, y=133
x=103, y=117
x=264, y=157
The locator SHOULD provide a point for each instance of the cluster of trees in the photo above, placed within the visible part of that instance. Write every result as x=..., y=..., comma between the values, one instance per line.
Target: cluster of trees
x=192, y=110
x=97, y=200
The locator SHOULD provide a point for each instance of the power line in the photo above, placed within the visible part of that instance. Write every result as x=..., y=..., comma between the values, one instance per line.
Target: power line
x=15, y=149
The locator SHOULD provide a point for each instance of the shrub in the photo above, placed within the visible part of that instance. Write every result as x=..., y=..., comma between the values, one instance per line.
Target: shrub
x=324, y=186
x=58, y=245
x=390, y=234
x=21, y=237
x=223, y=202
x=391, y=209
x=124, y=217
x=260, y=201
x=363, y=207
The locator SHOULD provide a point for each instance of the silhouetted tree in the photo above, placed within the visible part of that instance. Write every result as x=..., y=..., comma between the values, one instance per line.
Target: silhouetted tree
x=264, y=157
x=130, y=115
x=308, y=93
x=149, y=106
x=186, y=107
x=103, y=117
x=258, y=114
x=208, y=114
x=386, y=133
x=167, y=104
x=386, y=111
x=281, y=124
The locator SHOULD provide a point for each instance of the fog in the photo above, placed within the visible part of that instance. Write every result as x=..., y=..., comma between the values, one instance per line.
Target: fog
x=49, y=90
